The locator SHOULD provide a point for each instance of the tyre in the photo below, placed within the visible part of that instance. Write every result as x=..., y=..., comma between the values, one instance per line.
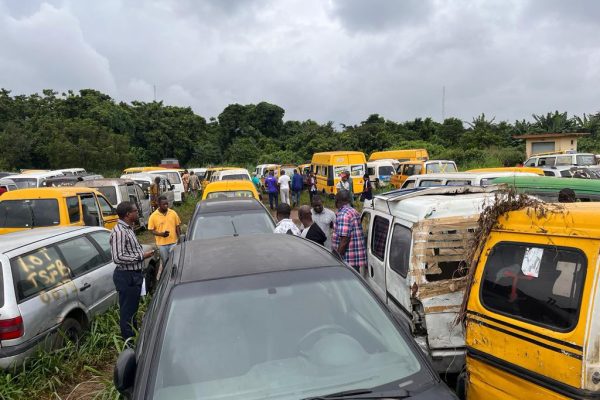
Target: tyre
x=70, y=331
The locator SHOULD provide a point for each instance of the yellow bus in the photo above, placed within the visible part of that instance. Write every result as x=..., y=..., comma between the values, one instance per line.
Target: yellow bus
x=328, y=167
x=401, y=155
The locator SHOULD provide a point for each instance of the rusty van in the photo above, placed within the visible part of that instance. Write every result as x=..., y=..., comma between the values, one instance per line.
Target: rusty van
x=417, y=241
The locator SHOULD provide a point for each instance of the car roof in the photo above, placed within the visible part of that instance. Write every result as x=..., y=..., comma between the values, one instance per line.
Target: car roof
x=550, y=182
x=106, y=182
x=15, y=240
x=228, y=204
x=45, y=192
x=233, y=184
x=243, y=255
x=38, y=175
x=234, y=171
x=142, y=175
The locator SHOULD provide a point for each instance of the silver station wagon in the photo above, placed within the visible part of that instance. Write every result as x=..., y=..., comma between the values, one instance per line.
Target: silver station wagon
x=51, y=280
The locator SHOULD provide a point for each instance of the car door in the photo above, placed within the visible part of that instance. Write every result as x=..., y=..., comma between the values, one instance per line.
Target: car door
x=90, y=210
x=108, y=213
x=86, y=261
x=398, y=265
x=145, y=208
x=376, y=252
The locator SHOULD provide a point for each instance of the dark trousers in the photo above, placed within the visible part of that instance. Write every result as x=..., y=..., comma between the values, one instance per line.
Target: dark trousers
x=273, y=198
x=129, y=288
x=311, y=193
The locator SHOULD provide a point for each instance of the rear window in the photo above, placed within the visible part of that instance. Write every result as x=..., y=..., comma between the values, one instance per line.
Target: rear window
x=38, y=271
x=236, y=177
x=172, y=176
x=379, y=239
x=386, y=170
x=231, y=224
x=538, y=284
x=232, y=193
x=110, y=192
x=400, y=249
x=25, y=183
x=586, y=160
x=453, y=182
x=430, y=182
x=29, y=213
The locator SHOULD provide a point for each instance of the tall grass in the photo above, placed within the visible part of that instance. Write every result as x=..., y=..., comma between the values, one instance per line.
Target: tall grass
x=47, y=374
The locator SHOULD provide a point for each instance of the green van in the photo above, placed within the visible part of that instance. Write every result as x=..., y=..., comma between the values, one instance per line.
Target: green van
x=547, y=187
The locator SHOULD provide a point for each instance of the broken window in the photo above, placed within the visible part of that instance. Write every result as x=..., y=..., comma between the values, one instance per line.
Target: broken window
x=539, y=284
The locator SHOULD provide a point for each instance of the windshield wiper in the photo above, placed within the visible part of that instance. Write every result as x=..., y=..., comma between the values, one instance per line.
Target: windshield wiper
x=235, y=232
x=363, y=394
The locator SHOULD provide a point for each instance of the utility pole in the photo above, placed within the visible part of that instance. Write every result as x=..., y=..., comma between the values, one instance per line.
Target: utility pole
x=443, y=103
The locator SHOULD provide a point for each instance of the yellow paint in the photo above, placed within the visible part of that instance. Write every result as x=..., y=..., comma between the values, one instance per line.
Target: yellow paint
x=135, y=170
x=400, y=155
x=572, y=226
x=338, y=161
x=230, y=186
x=60, y=194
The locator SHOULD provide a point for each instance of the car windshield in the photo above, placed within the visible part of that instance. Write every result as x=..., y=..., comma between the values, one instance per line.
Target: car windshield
x=110, y=192
x=24, y=183
x=214, y=225
x=229, y=193
x=386, y=170
x=236, y=177
x=29, y=213
x=442, y=167
x=172, y=176
x=587, y=159
x=281, y=335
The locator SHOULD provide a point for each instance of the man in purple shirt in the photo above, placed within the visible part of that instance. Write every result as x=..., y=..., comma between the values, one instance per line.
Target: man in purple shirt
x=272, y=189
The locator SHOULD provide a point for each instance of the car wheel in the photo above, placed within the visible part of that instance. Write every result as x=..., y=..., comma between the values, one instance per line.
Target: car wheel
x=70, y=331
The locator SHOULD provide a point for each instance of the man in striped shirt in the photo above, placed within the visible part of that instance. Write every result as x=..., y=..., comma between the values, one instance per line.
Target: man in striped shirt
x=129, y=256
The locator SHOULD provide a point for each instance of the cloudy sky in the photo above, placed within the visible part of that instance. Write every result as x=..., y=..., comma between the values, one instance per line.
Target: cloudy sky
x=337, y=60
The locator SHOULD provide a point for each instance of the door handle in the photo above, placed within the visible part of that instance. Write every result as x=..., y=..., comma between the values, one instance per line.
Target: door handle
x=372, y=271
x=85, y=287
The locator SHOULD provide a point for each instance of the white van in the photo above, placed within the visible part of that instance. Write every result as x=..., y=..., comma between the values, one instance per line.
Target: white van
x=231, y=175
x=34, y=179
x=72, y=171
x=458, y=179
x=175, y=179
x=381, y=171
x=416, y=248
x=557, y=160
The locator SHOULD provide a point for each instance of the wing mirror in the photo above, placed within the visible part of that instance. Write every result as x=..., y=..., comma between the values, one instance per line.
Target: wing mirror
x=124, y=373
x=172, y=187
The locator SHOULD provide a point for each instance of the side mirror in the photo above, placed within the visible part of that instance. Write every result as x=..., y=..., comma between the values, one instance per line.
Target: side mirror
x=172, y=187
x=124, y=372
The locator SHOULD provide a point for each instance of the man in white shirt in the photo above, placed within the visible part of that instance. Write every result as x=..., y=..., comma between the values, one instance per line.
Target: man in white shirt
x=285, y=224
x=284, y=187
x=323, y=217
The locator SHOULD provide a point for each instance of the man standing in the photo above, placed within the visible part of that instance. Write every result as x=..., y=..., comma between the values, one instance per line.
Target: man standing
x=165, y=225
x=284, y=222
x=311, y=230
x=129, y=256
x=348, y=237
x=154, y=192
x=284, y=187
x=194, y=184
x=185, y=178
x=345, y=183
x=312, y=185
x=272, y=189
x=297, y=186
x=256, y=182
x=323, y=217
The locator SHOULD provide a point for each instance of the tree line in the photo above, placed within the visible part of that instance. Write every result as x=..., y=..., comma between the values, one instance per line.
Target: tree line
x=90, y=129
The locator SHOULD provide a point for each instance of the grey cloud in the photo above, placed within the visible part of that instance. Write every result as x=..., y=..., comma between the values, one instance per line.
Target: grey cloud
x=380, y=15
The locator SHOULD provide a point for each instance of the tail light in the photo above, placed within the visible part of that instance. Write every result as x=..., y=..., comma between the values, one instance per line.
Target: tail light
x=11, y=328
x=3, y=190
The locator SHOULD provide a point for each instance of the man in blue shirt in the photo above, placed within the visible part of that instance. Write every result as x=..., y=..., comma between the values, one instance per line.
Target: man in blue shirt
x=272, y=189
x=297, y=186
